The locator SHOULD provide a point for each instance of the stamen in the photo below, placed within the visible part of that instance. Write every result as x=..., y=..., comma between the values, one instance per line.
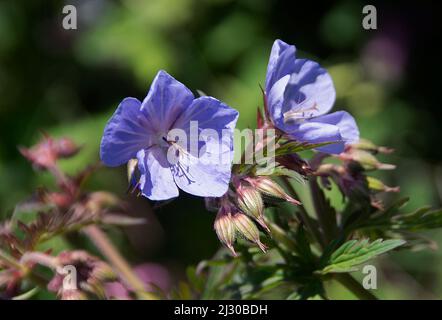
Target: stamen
x=179, y=148
x=181, y=153
x=135, y=187
x=300, y=113
x=185, y=173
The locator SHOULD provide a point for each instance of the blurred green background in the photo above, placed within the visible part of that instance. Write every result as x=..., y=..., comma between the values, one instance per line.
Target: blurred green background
x=69, y=82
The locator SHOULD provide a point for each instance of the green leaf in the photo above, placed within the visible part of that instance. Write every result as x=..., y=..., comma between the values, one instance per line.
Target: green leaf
x=353, y=253
x=219, y=273
x=183, y=291
x=196, y=280
x=255, y=291
x=303, y=245
x=311, y=290
x=296, y=146
x=379, y=219
x=294, y=296
x=280, y=171
x=27, y=295
x=421, y=219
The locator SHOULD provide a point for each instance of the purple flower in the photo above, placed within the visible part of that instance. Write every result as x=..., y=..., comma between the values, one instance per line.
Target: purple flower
x=179, y=141
x=299, y=94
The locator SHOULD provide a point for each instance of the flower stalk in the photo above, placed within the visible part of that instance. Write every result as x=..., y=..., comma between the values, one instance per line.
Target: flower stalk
x=11, y=261
x=354, y=286
x=326, y=221
x=102, y=242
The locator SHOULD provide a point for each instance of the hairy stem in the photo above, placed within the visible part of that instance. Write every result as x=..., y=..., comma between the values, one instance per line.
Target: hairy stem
x=280, y=235
x=9, y=260
x=328, y=225
x=40, y=258
x=29, y=273
x=304, y=215
x=327, y=222
x=354, y=286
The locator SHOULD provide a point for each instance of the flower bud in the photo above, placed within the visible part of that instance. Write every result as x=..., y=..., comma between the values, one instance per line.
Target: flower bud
x=378, y=185
x=46, y=152
x=270, y=188
x=250, y=202
x=131, y=168
x=367, y=145
x=294, y=162
x=225, y=229
x=245, y=226
x=60, y=199
x=366, y=159
x=65, y=147
x=42, y=155
x=91, y=275
x=99, y=200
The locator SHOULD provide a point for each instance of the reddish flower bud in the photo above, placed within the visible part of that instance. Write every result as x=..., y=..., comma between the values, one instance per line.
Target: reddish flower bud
x=60, y=199
x=294, y=162
x=65, y=147
x=367, y=160
x=90, y=274
x=225, y=229
x=245, y=226
x=271, y=189
x=250, y=202
x=44, y=154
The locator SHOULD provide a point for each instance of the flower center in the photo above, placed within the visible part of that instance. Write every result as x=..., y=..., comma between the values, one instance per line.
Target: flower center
x=162, y=141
